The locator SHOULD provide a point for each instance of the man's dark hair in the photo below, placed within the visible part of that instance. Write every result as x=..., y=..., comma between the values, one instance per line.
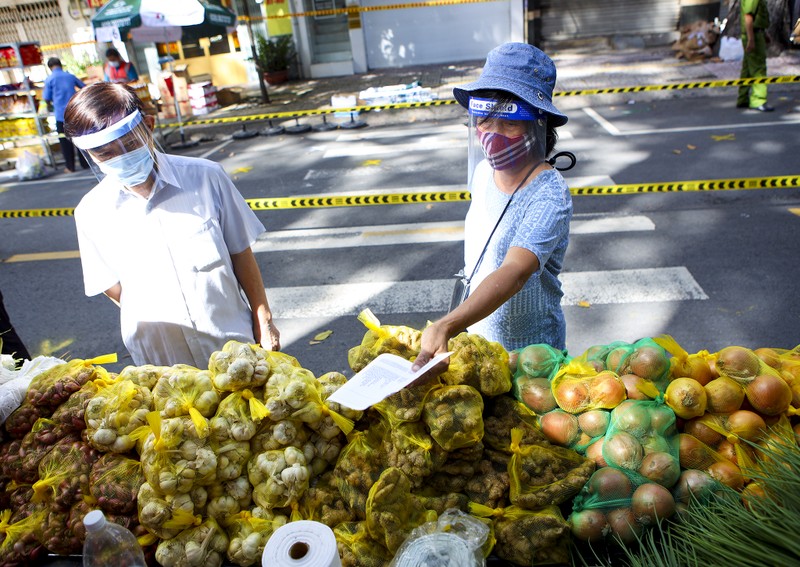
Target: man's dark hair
x=98, y=106
x=53, y=62
x=111, y=52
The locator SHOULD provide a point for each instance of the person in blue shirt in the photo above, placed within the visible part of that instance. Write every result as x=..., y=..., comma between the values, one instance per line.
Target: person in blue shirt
x=58, y=89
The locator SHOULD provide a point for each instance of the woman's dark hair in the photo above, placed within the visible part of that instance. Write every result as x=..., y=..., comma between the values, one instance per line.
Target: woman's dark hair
x=503, y=98
x=98, y=106
x=111, y=52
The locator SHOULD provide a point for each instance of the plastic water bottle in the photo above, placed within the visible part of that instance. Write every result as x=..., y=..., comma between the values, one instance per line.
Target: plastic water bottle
x=109, y=544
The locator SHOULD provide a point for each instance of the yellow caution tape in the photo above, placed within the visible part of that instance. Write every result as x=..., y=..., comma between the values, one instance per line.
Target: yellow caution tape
x=358, y=9
x=443, y=102
x=322, y=201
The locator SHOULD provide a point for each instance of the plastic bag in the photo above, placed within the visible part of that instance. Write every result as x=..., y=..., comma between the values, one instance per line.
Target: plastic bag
x=22, y=419
x=20, y=539
x=57, y=534
x=29, y=166
x=146, y=375
x=529, y=537
x=544, y=475
x=478, y=363
x=239, y=366
x=455, y=538
x=237, y=417
x=14, y=383
x=280, y=478
x=696, y=455
x=578, y=387
x=248, y=536
x=64, y=474
x=504, y=413
x=536, y=366
x=459, y=467
x=324, y=503
x=685, y=365
x=410, y=448
x=274, y=435
x=490, y=486
x=379, y=339
x=114, y=482
x=392, y=511
x=454, y=415
x=576, y=432
x=205, y=545
x=730, y=48
x=407, y=404
x=232, y=457
x=327, y=384
x=114, y=413
x=44, y=435
x=359, y=467
x=185, y=390
x=643, y=439
x=228, y=498
x=645, y=358
x=357, y=548
x=166, y=516
x=52, y=387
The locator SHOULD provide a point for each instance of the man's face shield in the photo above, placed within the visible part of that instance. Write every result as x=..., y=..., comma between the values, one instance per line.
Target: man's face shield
x=124, y=151
x=507, y=135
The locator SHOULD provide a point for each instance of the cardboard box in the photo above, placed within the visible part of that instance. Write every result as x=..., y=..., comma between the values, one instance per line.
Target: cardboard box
x=227, y=97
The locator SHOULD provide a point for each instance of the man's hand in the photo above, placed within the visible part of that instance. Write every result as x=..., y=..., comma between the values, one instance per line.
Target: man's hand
x=751, y=46
x=434, y=341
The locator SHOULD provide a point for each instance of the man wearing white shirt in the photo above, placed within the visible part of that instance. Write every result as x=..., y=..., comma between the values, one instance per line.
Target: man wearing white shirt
x=167, y=238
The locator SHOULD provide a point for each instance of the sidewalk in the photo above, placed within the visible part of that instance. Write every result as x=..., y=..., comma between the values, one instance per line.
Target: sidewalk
x=577, y=69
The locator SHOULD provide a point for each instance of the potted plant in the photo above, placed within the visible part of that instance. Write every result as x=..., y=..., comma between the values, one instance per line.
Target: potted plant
x=273, y=57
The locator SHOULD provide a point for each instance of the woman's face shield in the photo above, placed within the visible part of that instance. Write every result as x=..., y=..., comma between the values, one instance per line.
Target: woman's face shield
x=508, y=135
x=125, y=151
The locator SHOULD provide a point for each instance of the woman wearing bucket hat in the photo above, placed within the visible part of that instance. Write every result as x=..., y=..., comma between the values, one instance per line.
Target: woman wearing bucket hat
x=517, y=227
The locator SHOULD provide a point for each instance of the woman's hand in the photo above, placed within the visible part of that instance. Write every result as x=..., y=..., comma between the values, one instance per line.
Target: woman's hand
x=434, y=342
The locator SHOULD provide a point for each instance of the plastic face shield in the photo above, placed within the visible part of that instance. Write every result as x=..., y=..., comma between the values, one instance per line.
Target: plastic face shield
x=504, y=135
x=125, y=151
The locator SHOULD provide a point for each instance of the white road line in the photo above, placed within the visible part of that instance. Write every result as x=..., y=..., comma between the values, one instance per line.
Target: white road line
x=425, y=296
x=614, y=131
x=367, y=149
x=216, y=149
x=418, y=233
x=403, y=132
x=605, y=124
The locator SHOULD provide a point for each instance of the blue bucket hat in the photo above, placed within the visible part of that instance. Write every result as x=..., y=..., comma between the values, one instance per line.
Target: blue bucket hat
x=521, y=70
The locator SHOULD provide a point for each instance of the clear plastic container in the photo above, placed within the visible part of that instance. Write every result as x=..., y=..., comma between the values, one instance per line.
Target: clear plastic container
x=108, y=544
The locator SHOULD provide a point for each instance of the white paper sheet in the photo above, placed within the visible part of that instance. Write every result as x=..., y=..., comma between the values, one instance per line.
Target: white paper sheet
x=381, y=378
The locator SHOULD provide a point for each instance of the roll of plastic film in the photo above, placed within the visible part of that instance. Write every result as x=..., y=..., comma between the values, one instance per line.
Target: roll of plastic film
x=436, y=550
x=301, y=544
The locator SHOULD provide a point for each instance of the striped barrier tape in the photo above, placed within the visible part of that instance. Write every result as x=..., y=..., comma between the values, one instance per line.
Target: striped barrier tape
x=783, y=79
x=359, y=9
x=323, y=201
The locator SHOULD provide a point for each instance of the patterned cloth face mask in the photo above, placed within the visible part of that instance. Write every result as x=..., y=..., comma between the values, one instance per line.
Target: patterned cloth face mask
x=503, y=152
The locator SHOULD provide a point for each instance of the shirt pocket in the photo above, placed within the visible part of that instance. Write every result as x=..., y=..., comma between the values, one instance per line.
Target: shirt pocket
x=199, y=250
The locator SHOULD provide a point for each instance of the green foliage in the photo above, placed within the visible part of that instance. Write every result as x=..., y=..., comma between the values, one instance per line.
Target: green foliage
x=78, y=66
x=274, y=54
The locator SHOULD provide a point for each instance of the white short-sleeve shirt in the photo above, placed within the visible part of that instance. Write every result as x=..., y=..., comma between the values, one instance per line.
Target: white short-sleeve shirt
x=171, y=254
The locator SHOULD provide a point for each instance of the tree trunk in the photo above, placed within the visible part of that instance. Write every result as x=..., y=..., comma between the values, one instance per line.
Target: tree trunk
x=780, y=13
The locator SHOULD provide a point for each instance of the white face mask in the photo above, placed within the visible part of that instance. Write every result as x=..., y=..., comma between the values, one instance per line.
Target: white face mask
x=114, y=64
x=131, y=168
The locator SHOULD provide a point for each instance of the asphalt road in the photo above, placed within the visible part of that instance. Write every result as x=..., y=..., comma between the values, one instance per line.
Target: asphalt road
x=712, y=269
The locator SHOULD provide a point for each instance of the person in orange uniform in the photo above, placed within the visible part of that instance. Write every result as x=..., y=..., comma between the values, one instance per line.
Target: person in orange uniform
x=117, y=70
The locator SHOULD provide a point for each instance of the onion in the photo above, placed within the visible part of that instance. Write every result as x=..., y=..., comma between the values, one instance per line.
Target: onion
x=662, y=421
x=738, y=362
x=752, y=493
x=652, y=503
x=746, y=424
x=769, y=356
x=537, y=361
x=693, y=483
x=649, y=362
x=681, y=512
x=560, y=427
x=700, y=370
x=597, y=365
x=712, y=365
x=616, y=360
x=727, y=450
x=623, y=450
x=589, y=525
x=693, y=454
x=606, y=390
x=571, y=395
x=702, y=432
x=661, y=468
x=727, y=473
x=686, y=397
x=610, y=484
x=537, y=394
x=633, y=417
x=595, y=453
x=594, y=423
x=658, y=444
x=634, y=385
x=624, y=526
x=723, y=395
x=769, y=394
x=513, y=357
